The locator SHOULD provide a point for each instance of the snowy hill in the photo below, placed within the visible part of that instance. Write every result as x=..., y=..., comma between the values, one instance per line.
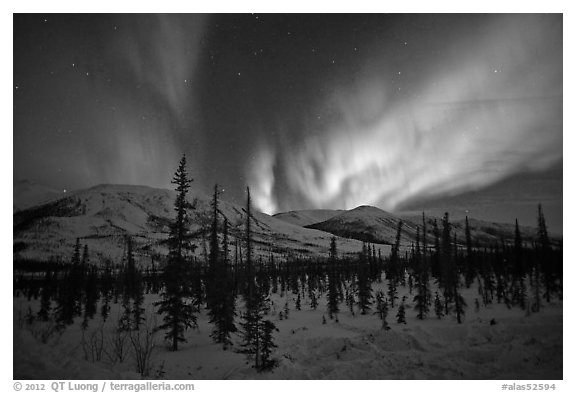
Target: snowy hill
x=371, y=224
x=307, y=217
x=102, y=216
x=367, y=223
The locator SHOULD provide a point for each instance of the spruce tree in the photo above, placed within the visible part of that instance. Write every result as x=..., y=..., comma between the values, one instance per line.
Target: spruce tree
x=470, y=265
x=214, y=249
x=220, y=296
x=423, y=296
x=545, y=258
x=266, y=360
x=85, y=256
x=364, y=288
x=438, y=306
x=225, y=228
x=333, y=293
x=175, y=306
x=447, y=267
x=436, y=258
x=313, y=301
x=333, y=250
x=298, y=304
x=382, y=309
x=401, y=314
x=254, y=327
x=394, y=267
x=424, y=237
x=76, y=254
x=520, y=270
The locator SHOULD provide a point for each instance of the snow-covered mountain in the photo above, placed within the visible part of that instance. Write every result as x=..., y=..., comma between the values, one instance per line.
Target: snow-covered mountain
x=367, y=223
x=307, y=217
x=102, y=216
x=371, y=224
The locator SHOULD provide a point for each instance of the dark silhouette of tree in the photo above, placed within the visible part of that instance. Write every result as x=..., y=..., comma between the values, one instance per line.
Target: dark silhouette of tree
x=364, y=288
x=45, y=302
x=313, y=301
x=470, y=264
x=76, y=254
x=248, y=229
x=423, y=295
x=266, y=360
x=446, y=265
x=214, y=250
x=438, y=306
x=436, y=256
x=382, y=309
x=298, y=305
x=225, y=228
x=424, y=237
x=220, y=296
x=132, y=292
x=520, y=269
x=85, y=257
x=253, y=325
x=178, y=312
x=459, y=304
x=545, y=257
x=333, y=293
x=401, y=314
x=333, y=250
x=394, y=267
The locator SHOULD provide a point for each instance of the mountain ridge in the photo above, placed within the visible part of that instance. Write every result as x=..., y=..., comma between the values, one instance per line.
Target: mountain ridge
x=103, y=215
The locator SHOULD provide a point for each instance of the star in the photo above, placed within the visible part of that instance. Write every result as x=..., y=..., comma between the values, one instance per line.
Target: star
x=16, y=87
x=73, y=64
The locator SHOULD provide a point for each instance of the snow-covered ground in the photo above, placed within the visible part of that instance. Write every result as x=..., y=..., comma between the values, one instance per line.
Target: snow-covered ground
x=515, y=347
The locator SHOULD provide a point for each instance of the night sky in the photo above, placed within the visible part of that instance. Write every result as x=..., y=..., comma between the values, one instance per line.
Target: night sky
x=455, y=112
